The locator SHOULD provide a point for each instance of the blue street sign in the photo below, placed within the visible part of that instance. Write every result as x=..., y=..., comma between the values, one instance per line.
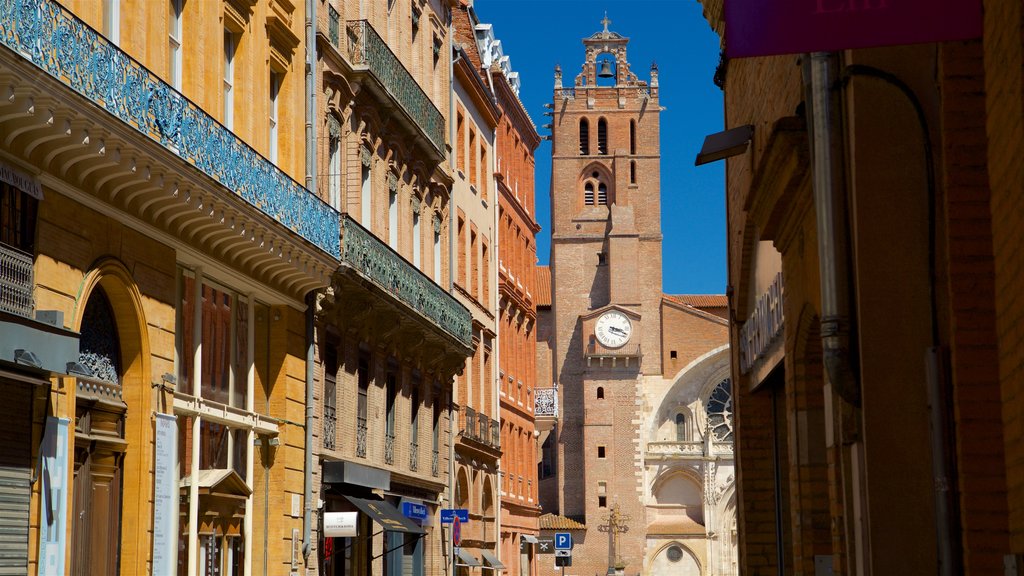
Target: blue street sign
x=414, y=511
x=563, y=541
x=448, y=515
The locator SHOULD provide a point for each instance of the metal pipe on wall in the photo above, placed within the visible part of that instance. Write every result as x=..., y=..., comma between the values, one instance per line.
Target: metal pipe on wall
x=307, y=481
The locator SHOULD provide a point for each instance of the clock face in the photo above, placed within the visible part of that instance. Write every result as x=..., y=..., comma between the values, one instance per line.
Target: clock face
x=613, y=329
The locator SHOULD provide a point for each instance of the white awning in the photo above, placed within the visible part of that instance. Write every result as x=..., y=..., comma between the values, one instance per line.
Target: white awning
x=492, y=560
x=467, y=558
x=529, y=539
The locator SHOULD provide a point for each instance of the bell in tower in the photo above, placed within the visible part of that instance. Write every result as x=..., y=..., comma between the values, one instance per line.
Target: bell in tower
x=606, y=70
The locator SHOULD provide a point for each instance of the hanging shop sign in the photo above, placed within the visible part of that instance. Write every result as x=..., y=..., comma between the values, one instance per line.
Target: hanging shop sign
x=341, y=524
x=766, y=27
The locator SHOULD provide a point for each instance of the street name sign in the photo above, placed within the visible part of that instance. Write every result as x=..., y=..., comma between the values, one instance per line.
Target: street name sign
x=448, y=514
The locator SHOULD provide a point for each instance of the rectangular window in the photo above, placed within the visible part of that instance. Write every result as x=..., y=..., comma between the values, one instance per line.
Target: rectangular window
x=437, y=257
x=472, y=157
x=392, y=397
x=366, y=217
x=473, y=284
x=485, y=283
x=334, y=173
x=275, y=91
x=393, y=220
x=486, y=169
x=460, y=143
x=461, y=249
x=112, y=21
x=17, y=218
x=229, y=80
x=416, y=240
x=174, y=43
x=600, y=451
x=363, y=382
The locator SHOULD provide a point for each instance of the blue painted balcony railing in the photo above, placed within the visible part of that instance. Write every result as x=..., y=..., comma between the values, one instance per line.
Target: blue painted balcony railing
x=53, y=39
x=367, y=48
x=388, y=270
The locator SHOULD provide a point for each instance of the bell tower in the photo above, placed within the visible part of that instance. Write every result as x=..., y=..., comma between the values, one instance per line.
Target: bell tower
x=606, y=287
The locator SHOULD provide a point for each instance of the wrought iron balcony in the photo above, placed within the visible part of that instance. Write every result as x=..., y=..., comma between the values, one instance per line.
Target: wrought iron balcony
x=414, y=456
x=361, y=437
x=16, y=281
x=485, y=428
x=366, y=50
x=389, y=448
x=434, y=463
x=545, y=403
x=469, y=423
x=495, y=434
x=52, y=39
x=334, y=25
x=330, y=422
x=379, y=263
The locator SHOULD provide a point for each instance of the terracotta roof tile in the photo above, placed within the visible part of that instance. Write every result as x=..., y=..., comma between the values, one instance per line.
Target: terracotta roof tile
x=699, y=300
x=556, y=522
x=543, y=286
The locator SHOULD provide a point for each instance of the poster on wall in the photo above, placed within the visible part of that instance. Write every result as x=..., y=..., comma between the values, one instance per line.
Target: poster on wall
x=165, y=488
x=53, y=500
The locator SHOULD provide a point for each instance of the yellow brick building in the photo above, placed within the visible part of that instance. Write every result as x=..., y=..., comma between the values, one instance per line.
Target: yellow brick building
x=157, y=252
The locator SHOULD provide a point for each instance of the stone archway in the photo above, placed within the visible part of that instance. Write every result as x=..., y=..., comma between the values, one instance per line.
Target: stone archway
x=112, y=426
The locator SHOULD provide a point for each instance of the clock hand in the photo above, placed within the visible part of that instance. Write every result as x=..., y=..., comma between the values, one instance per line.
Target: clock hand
x=616, y=330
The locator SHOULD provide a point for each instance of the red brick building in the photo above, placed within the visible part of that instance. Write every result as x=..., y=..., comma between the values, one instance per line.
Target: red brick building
x=515, y=141
x=878, y=410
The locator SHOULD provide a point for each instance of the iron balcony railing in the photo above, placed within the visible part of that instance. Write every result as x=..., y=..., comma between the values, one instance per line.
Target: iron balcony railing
x=485, y=428
x=495, y=434
x=361, y=437
x=414, y=456
x=469, y=423
x=545, y=403
x=367, y=49
x=334, y=25
x=16, y=281
x=389, y=448
x=378, y=262
x=54, y=40
x=434, y=463
x=330, y=422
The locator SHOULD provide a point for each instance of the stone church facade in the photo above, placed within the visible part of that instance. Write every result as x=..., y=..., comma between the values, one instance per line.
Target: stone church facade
x=639, y=463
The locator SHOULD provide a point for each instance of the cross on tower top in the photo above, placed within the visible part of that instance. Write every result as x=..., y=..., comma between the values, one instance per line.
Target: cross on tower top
x=606, y=21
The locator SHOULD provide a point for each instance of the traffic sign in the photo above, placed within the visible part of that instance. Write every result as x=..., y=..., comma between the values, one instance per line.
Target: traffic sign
x=562, y=553
x=545, y=545
x=457, y=531
x=448, y=513
x=563, y=541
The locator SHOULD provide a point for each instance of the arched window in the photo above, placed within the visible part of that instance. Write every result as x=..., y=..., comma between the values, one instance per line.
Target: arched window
x=584, y=137
x=632, y=136
x=602, y=194
x=632, y=172
x=600, y=393
x=588, y=194
x=680, y=427
x=602, y=136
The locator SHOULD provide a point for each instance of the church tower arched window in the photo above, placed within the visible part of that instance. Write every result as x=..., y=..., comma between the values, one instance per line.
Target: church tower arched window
x=602, y=136
x=584, y=137
x=680, y=427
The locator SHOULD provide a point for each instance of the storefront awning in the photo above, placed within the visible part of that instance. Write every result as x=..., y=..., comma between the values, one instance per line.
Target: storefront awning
x=529, y=539
x=494, y=563
x=385, y=514
x=467, y=558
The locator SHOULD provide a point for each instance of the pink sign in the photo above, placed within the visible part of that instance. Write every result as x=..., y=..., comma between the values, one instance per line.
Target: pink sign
x=766, y=27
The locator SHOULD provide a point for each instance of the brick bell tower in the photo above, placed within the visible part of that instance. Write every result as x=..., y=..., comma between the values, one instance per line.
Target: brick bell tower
x=606, y=282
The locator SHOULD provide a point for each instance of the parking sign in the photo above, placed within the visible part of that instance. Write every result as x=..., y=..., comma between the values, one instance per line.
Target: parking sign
x=563, y=541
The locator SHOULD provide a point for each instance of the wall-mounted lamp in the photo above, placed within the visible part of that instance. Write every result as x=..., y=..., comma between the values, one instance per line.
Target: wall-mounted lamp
x=724, y=144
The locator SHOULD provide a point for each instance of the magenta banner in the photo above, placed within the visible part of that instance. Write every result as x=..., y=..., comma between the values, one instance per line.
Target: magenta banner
x=766, y=27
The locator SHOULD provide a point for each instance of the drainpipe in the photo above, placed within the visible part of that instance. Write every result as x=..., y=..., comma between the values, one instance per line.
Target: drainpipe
x=307, y=481
x=451, y=270
x=842, y=390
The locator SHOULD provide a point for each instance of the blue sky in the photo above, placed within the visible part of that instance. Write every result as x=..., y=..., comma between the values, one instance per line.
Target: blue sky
x=537, y=34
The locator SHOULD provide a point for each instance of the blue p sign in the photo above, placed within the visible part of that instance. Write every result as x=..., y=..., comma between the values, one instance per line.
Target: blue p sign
x=563, y=541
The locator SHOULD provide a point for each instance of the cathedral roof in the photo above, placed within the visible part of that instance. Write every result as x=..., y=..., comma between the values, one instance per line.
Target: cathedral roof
x=543, y=286
x=699, y=300
x=555, y=522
